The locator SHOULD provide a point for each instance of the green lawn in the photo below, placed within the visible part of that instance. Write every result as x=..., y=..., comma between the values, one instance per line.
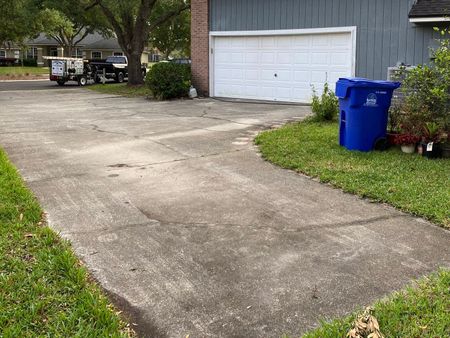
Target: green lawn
x=44, y=289
x=16, y=71
x=409, y=182
x=421, y=310
x=121, y=89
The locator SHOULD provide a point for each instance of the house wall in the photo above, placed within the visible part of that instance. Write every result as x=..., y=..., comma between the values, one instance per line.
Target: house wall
x=384, y=34
x=200, y=45
x=9, y=53
x=88, y=52
x=144, y=58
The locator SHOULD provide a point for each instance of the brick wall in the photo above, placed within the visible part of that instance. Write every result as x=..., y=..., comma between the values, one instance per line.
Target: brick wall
x=200, y=45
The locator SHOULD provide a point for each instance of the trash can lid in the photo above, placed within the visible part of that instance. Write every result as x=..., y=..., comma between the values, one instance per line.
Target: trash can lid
x=345, y=83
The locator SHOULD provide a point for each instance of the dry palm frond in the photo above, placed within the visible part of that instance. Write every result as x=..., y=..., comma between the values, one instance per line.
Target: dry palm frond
x=365, y=326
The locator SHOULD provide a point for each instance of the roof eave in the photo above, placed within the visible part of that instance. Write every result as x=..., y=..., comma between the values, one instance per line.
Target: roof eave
x=429, y=19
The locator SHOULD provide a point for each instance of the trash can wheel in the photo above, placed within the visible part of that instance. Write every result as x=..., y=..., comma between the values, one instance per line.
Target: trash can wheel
x=381, y=144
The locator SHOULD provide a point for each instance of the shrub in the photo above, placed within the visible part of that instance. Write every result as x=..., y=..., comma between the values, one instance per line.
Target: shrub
x=169, y=80
x=325, y=107
x=426, y=107
x=30, y=63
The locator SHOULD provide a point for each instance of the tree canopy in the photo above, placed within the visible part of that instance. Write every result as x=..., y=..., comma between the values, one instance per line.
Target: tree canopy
x=69, y=22
x=133, y=21
x=172, y=35
x=17, y=21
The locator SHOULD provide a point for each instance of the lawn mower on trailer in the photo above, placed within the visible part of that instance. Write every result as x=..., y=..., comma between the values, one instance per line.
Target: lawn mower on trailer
x=64, y=69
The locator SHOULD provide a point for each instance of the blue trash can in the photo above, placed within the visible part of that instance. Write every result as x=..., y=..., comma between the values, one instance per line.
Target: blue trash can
x=364, y=106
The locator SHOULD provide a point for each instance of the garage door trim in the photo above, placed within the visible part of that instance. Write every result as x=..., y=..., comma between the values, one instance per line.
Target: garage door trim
x=279, y=32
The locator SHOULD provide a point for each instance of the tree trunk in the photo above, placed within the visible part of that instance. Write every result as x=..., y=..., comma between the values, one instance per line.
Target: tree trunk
x=69, y=50
x=135, y=69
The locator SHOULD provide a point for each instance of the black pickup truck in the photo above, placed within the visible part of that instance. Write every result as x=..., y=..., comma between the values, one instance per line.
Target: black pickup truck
x=114, y=67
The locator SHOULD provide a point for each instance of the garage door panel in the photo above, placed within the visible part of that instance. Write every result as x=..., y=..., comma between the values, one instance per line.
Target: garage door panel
x=321, y=58
x=301, y=41
x=237, y=57
x=340, y=40
x=302, y=76
x=268, y=92
x=283, y=75
x=251, y=74
x=251, y=58
x=252, y=42
x=284, y=42
x=300, y=92
x=320, y=41
x=268, y=74
x=302, y=58
x=237, y=74
x=251, y=90
x=279, y=68
x=318, y=76
x=283, y=93
x=284, y=58
x=223, y=74
x=238, y=43
x=268, y=58
x=268, y=42
x=340, y=59
x=221, y=57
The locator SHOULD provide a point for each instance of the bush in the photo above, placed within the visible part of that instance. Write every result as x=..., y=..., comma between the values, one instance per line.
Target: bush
x=169, y=80
x=30, y=63
x=426, y=107
x=325, y=107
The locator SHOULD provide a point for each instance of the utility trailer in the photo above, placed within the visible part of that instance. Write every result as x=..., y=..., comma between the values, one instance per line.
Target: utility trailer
x=64, y=69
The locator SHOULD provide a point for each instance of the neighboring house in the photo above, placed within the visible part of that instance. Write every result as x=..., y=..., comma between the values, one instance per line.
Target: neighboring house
x=277, y=49
x=94, y=46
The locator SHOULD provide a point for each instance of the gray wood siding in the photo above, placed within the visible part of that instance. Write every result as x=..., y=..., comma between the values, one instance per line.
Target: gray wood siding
x=384, y=34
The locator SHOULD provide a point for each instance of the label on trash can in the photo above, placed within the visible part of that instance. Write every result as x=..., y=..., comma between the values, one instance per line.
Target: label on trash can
x=430, y=146
x=372, y=100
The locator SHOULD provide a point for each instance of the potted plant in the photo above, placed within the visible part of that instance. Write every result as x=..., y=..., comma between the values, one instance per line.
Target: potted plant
x=406, y=135
x=431, y=140
x=407, y=142
x=446, y=147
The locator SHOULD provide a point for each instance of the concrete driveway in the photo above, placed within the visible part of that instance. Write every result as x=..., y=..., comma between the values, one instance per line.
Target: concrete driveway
x=190, y=231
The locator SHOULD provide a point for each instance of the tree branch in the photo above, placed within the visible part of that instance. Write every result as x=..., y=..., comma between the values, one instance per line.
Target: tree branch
x=86, y=33
x=112, y=19
x=92, y=5
x=58, y=39
x=168, y=16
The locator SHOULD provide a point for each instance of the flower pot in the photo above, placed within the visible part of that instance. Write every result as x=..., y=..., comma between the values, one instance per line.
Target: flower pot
x=445, y=150
x=431, y=150
x=391, y=137
x=408, y=148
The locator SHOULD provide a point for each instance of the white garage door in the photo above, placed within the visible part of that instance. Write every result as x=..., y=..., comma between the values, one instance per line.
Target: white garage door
x=279, y=67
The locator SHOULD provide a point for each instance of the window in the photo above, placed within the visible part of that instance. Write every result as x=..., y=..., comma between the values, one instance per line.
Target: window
x=96, y=55
x=2, y=54
x=53, y=51
x=118, y=54
x=154, y=57
x=32, y=53
x=78, y=53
